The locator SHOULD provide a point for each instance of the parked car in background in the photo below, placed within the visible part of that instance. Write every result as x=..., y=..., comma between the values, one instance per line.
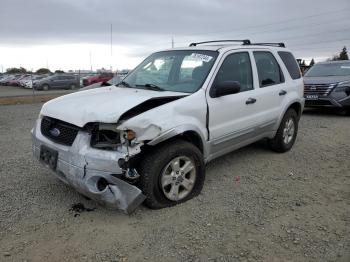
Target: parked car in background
x=115, y=80
x=16, y=81
x=27, y=83
x=327, y=84
x=23, y=80
x=6, y=80
x=103, y=77
x=60, y=81
x=85, y=77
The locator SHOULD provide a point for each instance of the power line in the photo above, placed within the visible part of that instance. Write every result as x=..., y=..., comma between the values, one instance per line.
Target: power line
x=322, y=42
x=268, y=24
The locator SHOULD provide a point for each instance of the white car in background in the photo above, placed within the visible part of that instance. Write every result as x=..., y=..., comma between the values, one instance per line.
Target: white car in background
x=28, y=83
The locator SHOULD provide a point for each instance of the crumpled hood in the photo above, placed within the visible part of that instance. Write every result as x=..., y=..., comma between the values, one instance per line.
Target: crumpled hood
x=325, y=80
x=105, y=104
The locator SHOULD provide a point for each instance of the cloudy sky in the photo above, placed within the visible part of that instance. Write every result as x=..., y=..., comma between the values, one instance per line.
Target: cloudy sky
x=76, y=34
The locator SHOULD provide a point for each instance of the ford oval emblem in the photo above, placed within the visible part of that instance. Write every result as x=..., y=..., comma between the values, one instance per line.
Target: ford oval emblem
x=55, y=132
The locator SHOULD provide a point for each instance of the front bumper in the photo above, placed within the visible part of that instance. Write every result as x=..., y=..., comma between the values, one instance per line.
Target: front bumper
x=83, y=168
x=335, y=99
x=328, y=102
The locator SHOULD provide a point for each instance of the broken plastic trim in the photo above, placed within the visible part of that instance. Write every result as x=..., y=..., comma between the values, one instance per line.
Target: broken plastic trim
x=148, y=105
x=116, y=193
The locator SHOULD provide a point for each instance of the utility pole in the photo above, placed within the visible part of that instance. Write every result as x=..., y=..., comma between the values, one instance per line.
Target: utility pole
x=90, y=62
x=172, y=42
x=111, y=45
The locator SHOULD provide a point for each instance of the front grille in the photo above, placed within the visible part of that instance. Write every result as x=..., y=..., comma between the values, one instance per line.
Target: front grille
x=319, y=89
x=59, y=131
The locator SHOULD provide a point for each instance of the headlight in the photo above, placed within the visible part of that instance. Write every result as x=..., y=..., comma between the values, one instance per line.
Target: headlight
x=343, y=87
x=129, y=135
x=105, y=136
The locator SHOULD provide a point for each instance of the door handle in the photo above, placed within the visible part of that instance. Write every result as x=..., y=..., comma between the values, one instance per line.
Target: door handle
x=250, y=101
x=282, y=93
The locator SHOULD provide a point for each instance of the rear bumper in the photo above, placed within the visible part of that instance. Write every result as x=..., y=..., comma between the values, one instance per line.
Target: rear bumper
x=94, y=173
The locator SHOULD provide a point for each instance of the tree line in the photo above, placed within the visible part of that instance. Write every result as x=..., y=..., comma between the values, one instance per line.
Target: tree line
x=22, y=70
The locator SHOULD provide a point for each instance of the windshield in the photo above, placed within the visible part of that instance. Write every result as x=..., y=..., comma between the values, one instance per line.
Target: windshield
x=177, y=71
x=331, y=69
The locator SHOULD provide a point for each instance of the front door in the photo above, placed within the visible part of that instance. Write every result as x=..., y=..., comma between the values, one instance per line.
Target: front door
x=232, y=118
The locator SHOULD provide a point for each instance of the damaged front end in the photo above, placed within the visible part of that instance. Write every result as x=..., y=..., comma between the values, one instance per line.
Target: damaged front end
x=96, y=163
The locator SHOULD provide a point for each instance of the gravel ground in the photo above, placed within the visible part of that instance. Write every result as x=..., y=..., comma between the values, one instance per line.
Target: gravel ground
x=256, y=205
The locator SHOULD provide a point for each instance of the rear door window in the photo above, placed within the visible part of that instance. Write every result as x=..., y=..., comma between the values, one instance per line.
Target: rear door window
x=291, y=64
x=269, y=71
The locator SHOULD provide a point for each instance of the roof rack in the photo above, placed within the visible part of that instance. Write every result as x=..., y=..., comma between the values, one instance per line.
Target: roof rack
x=244, y=42
x=270, y=44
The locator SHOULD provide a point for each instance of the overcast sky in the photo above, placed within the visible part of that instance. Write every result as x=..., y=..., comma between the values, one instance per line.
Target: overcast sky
x=68, y=34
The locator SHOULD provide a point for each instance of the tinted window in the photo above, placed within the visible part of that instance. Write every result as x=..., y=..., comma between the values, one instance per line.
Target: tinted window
x=330, y=69
x=269, y=71
x=291, y=64
x=236, y=67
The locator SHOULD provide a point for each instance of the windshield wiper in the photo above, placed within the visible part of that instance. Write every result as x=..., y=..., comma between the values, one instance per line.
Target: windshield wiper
x=123, y=83
x=152, y=87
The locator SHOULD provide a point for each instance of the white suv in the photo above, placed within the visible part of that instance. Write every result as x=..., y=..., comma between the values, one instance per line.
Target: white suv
x=149, y=137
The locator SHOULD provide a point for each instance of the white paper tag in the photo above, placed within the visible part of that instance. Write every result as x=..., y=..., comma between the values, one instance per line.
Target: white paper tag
x=201, y=57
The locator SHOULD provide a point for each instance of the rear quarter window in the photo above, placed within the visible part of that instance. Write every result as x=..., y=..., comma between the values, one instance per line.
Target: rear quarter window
x=291, y=64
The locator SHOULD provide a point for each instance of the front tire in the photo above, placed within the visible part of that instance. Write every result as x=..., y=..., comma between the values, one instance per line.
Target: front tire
x=45, y=87
x=286, y=133
x=171, y=174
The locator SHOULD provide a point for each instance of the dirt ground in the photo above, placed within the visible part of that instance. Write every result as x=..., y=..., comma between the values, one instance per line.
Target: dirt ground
x=256, y=205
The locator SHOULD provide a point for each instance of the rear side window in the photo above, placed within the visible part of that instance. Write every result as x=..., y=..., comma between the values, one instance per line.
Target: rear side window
x=291, y=64
x=269, y=71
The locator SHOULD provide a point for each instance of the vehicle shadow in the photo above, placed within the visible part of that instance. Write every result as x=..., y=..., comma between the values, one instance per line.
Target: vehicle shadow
x=322, y=111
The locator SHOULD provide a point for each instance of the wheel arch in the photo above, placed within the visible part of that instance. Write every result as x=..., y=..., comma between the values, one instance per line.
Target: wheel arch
x=296, y=105
x=188, y=134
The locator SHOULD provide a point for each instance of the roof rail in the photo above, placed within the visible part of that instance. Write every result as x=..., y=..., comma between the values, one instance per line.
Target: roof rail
x=244, y=42
x=270, y=44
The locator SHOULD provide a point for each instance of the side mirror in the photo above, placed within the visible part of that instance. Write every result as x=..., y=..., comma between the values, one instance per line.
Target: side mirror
x=226, y=88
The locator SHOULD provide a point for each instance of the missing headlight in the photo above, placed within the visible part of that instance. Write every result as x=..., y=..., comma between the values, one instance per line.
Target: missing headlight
x=105, y=136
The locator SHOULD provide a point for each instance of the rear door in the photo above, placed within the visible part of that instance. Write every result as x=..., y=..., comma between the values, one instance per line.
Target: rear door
x=273, y=88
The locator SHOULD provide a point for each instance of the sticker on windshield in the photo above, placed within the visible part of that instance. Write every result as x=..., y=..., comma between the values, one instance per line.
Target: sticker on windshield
x=201, y=57
x=345, y=67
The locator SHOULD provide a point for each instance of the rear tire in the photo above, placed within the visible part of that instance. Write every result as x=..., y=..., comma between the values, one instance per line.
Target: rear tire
x=286, y=133
x=72, y=86
x=172, y=173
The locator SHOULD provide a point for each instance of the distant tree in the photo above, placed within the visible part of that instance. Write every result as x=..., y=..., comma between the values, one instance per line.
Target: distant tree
x=43, y=71
x=15, y=70
x=312, y=62
x=303, y=63
x=59, y=72
x=343, y=55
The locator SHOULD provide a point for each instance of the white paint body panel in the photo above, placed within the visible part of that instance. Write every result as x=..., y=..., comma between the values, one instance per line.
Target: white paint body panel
x=104, y=104
x=229, y=116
